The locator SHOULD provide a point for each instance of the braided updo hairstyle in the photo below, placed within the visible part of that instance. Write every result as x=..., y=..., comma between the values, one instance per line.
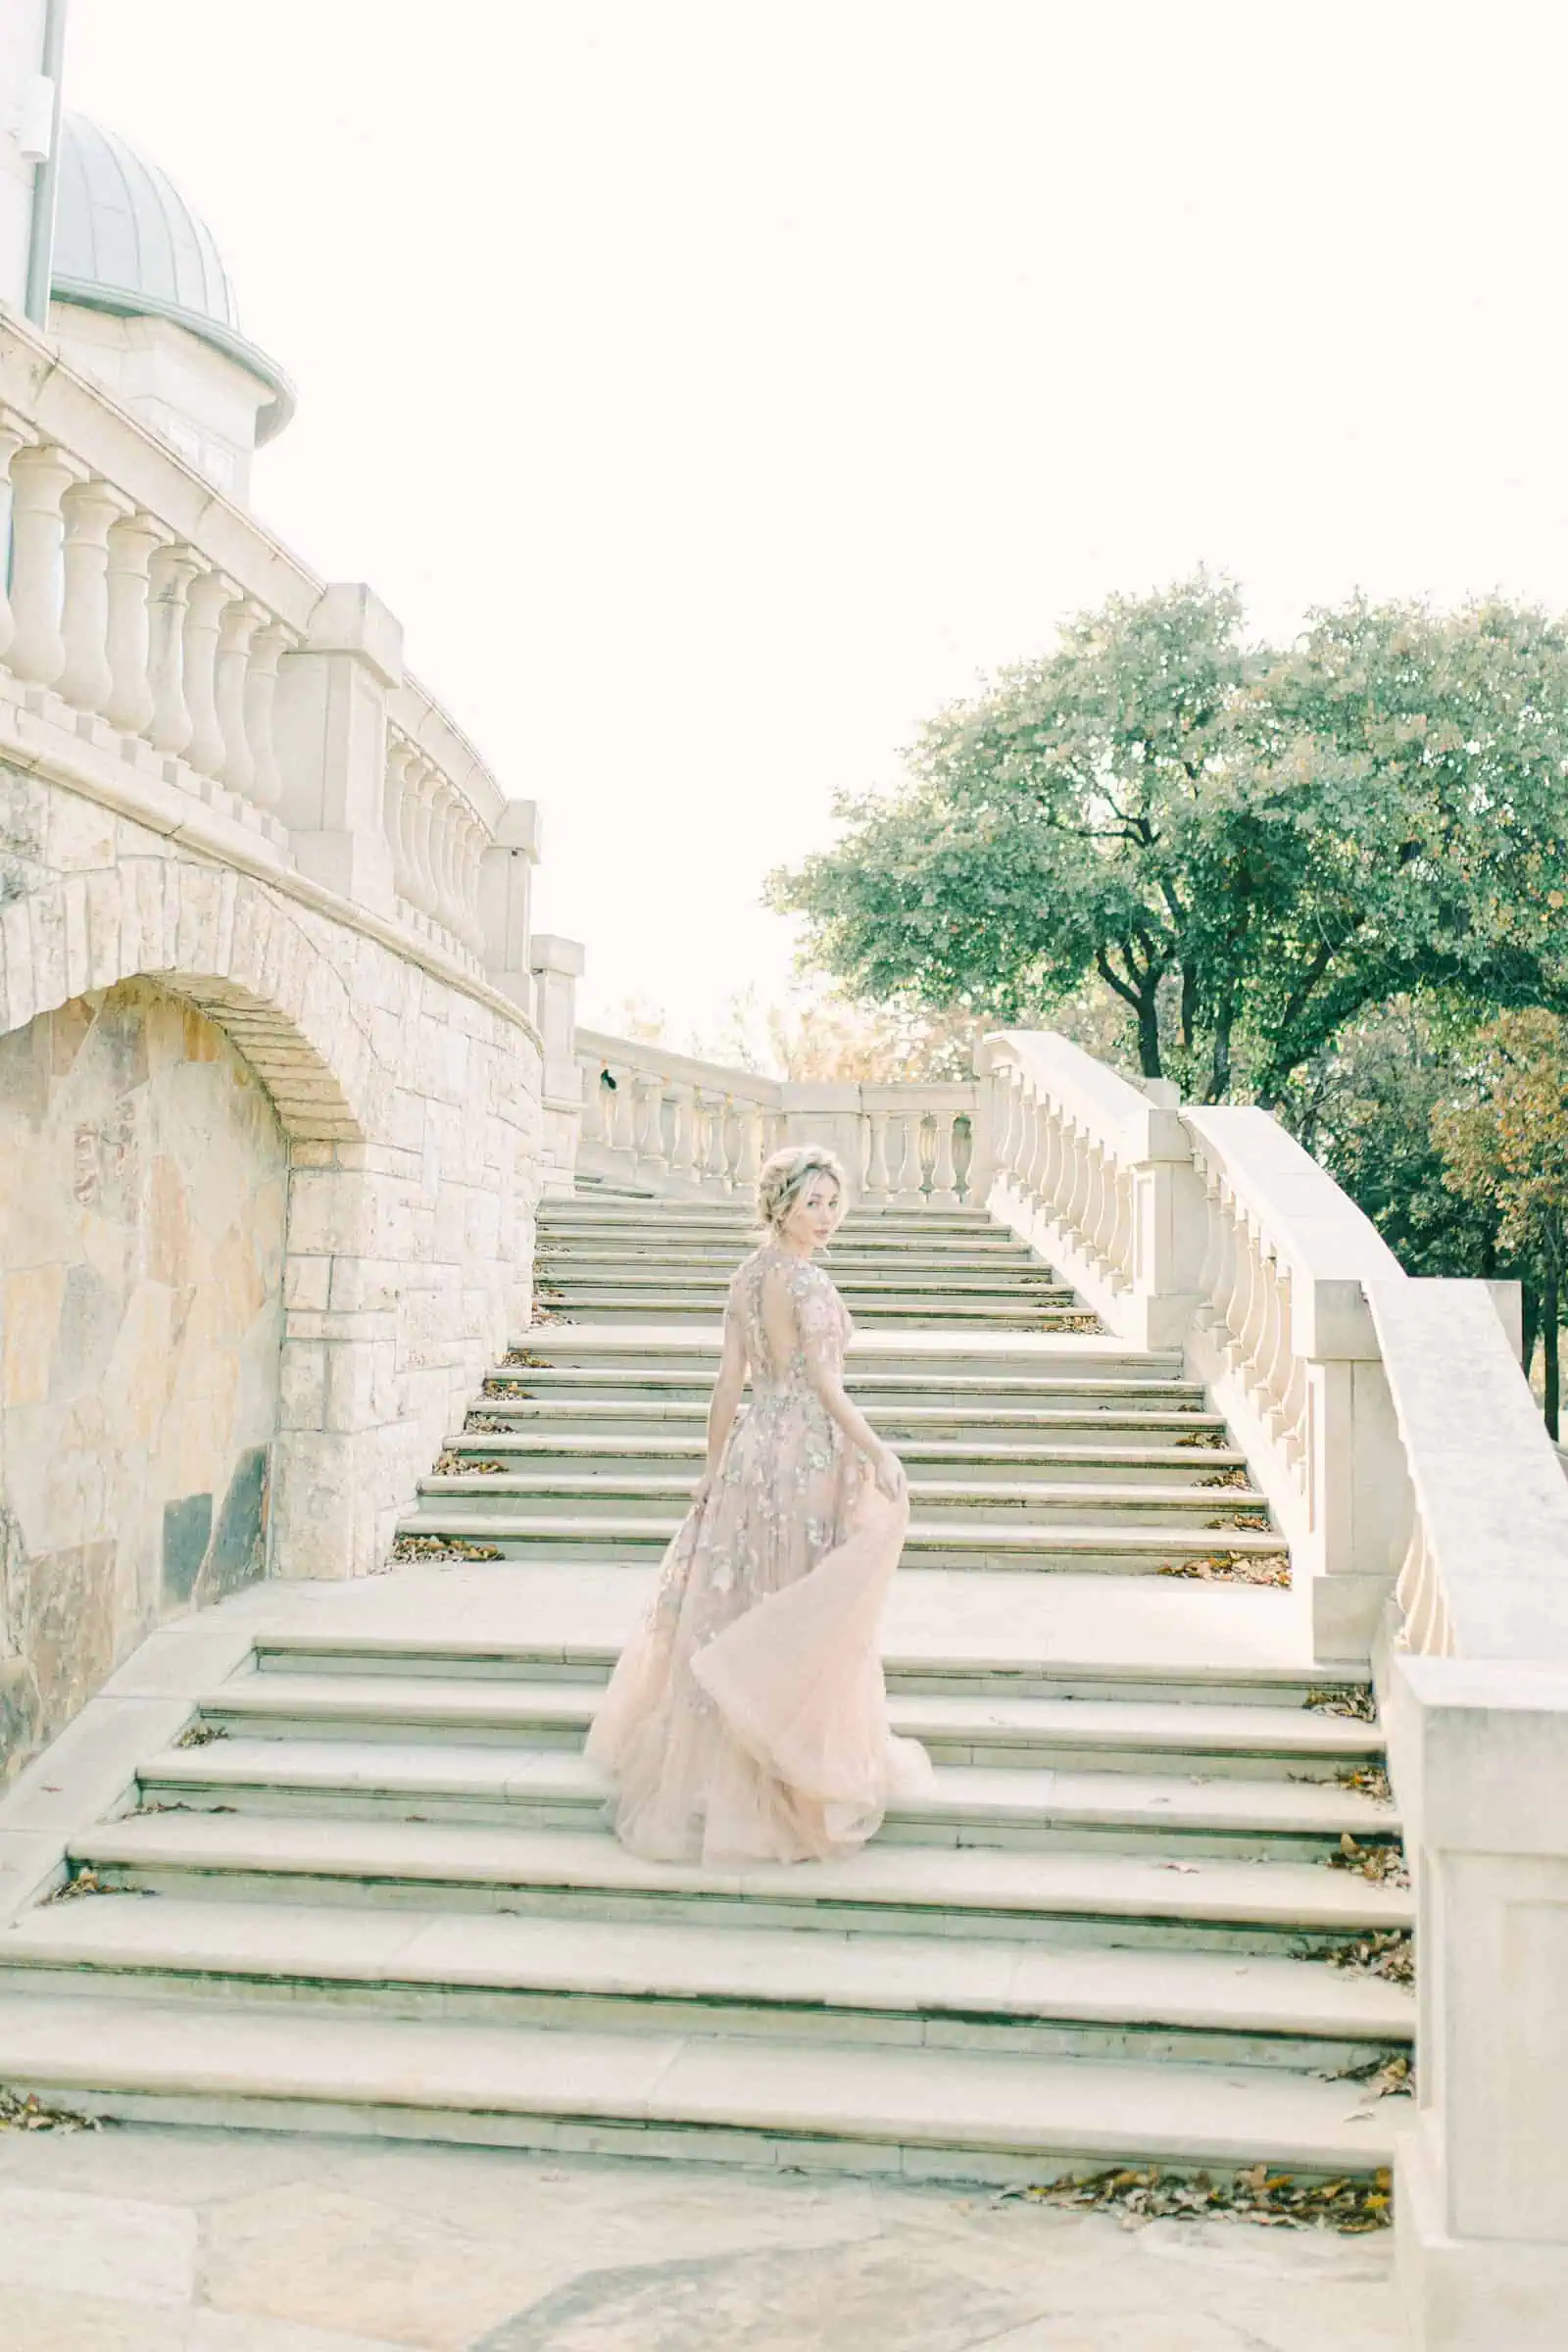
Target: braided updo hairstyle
x=786, y=1175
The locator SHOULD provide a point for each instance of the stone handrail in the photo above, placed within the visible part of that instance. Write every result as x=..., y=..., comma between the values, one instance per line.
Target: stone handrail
x=1282, y=1337
x=1089, y=1167
x=673, y=1124
x=151, y=618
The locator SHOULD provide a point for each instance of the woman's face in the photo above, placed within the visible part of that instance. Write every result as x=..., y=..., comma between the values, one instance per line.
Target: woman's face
x=813, y=1216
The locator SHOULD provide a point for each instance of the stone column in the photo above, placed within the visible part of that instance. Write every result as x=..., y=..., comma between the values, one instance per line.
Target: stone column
x=505, y=894
x=331, y=736
x=556, y=965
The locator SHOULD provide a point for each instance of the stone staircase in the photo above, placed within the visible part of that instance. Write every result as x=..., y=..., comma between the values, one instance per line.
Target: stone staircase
x=385, y=1900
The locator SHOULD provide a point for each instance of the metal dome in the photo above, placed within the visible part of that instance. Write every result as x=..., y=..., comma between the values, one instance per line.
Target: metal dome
x=126, y=241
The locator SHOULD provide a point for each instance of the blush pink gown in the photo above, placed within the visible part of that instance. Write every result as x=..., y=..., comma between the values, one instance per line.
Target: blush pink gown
x=746, y=1720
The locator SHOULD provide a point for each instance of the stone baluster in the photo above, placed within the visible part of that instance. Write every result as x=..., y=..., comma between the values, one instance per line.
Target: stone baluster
x=875, y=1187
x=683, y=1160
x=14, y=436
x=210, y=592
x=943, y=1170
x=748, y=1155
x=87, y=510
x=593, y=1100
x=904, y=1161
x=716, y=1162
x=266, y=650
x=624, y=1138
x=172, y=571
x=650, y=1128
x=40, y=477
x=420, y=811
x=394, y=815
x=472, y=844
x=443, y=842
x=235, y=637
x=133, y=541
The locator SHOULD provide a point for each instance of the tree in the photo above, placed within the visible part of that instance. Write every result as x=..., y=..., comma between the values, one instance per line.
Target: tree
x=1268, y=842
x=1506, y=1151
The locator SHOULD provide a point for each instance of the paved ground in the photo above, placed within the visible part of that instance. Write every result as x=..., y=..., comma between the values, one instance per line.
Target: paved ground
x=143, y=2241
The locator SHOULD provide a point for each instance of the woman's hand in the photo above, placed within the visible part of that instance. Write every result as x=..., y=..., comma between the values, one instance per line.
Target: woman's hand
x=890, y=1477
x=702, y=1491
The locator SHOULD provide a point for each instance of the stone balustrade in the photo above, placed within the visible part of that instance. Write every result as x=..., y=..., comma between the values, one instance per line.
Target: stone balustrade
x=1089, y=1167
x=670, y=1123
x=154, y=628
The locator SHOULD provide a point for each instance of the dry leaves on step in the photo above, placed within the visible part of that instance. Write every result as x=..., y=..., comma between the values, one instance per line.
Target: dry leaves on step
x=200, y=1734
x=1233, y=1568
x=1074, y=1323
x=26, y=2112
x=1212, y=1438
x=85, y=1882
x=520, y=1355
x=486, y=1425
x=1370, y=1778
x=1276, y=2199
x=438, y=1548
x=1236, y=1476
x=449, y=1465
x=1255, y=1523
x=1387, y=1952
x=1353, y=1701
x=1382, y=1865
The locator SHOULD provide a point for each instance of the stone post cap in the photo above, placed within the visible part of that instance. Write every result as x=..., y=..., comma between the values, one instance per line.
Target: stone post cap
x=549, y=953
x=351, y=618
x=520, y=828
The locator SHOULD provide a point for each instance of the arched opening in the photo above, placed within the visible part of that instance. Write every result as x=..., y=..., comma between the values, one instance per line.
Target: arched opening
x=142, y=1235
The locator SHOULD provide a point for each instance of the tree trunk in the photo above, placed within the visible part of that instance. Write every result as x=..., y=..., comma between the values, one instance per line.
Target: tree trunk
x=1219, y=1083
x=1530, y=1325
x=1148, y=1035
x=1549, y=1318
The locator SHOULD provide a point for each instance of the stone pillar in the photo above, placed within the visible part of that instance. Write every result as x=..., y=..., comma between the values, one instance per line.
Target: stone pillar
x=556, y=965
x=506, y=895
x=1481, y=2209
x=330, y=724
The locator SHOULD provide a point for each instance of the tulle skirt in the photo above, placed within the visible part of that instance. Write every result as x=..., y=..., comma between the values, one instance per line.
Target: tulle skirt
x=745, y=1725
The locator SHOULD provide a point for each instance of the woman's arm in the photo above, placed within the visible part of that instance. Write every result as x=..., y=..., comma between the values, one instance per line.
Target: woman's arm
x=726, y=1397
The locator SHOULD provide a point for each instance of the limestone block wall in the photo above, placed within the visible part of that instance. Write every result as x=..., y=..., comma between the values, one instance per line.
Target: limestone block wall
x=143, y=1192
x=388, y=1222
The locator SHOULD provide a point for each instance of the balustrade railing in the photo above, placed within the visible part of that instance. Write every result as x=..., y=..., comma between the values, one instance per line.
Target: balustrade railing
x=147, y=618
x=673, y=1124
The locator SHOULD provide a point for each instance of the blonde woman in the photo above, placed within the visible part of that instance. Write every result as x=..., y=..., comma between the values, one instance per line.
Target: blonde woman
x=748, y=1719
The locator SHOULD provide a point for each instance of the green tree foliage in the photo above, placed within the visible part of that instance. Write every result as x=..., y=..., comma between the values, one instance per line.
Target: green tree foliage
x=1249, y=847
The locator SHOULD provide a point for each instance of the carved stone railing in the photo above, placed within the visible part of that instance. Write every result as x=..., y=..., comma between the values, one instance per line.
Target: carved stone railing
x=158, y=631
x=671, y=1124
x=1090, y=1168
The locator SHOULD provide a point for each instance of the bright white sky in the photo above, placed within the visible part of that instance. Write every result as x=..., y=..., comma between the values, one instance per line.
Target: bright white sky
x=715, y=387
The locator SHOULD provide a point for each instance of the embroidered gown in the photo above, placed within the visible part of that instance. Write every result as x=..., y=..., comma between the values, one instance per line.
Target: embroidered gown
x=746, y=1720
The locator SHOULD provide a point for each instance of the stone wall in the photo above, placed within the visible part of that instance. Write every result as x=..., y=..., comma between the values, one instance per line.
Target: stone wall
x=403, y=1102
x=142, y=1213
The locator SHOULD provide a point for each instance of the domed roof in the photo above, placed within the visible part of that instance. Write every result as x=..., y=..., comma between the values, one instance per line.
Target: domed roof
x=126, y=241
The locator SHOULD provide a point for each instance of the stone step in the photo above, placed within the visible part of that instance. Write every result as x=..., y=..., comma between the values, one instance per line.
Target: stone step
x=990, y=1464
x=1114, y=1544
x=661, y=1303
x=977, y=1674
x=934, y=1355
x=613, y=1492
x=568, y=1408
x=651, y=1270
x=668, y=1375
x=929, y=2114
x=994, y=1264
x=1063, y=1896
x=552, y=1787
x=740, y=1217
x=930, y=1991
x=1068, y=1734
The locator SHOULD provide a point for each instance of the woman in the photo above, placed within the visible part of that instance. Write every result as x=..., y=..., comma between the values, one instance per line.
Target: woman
x=747, y=1721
